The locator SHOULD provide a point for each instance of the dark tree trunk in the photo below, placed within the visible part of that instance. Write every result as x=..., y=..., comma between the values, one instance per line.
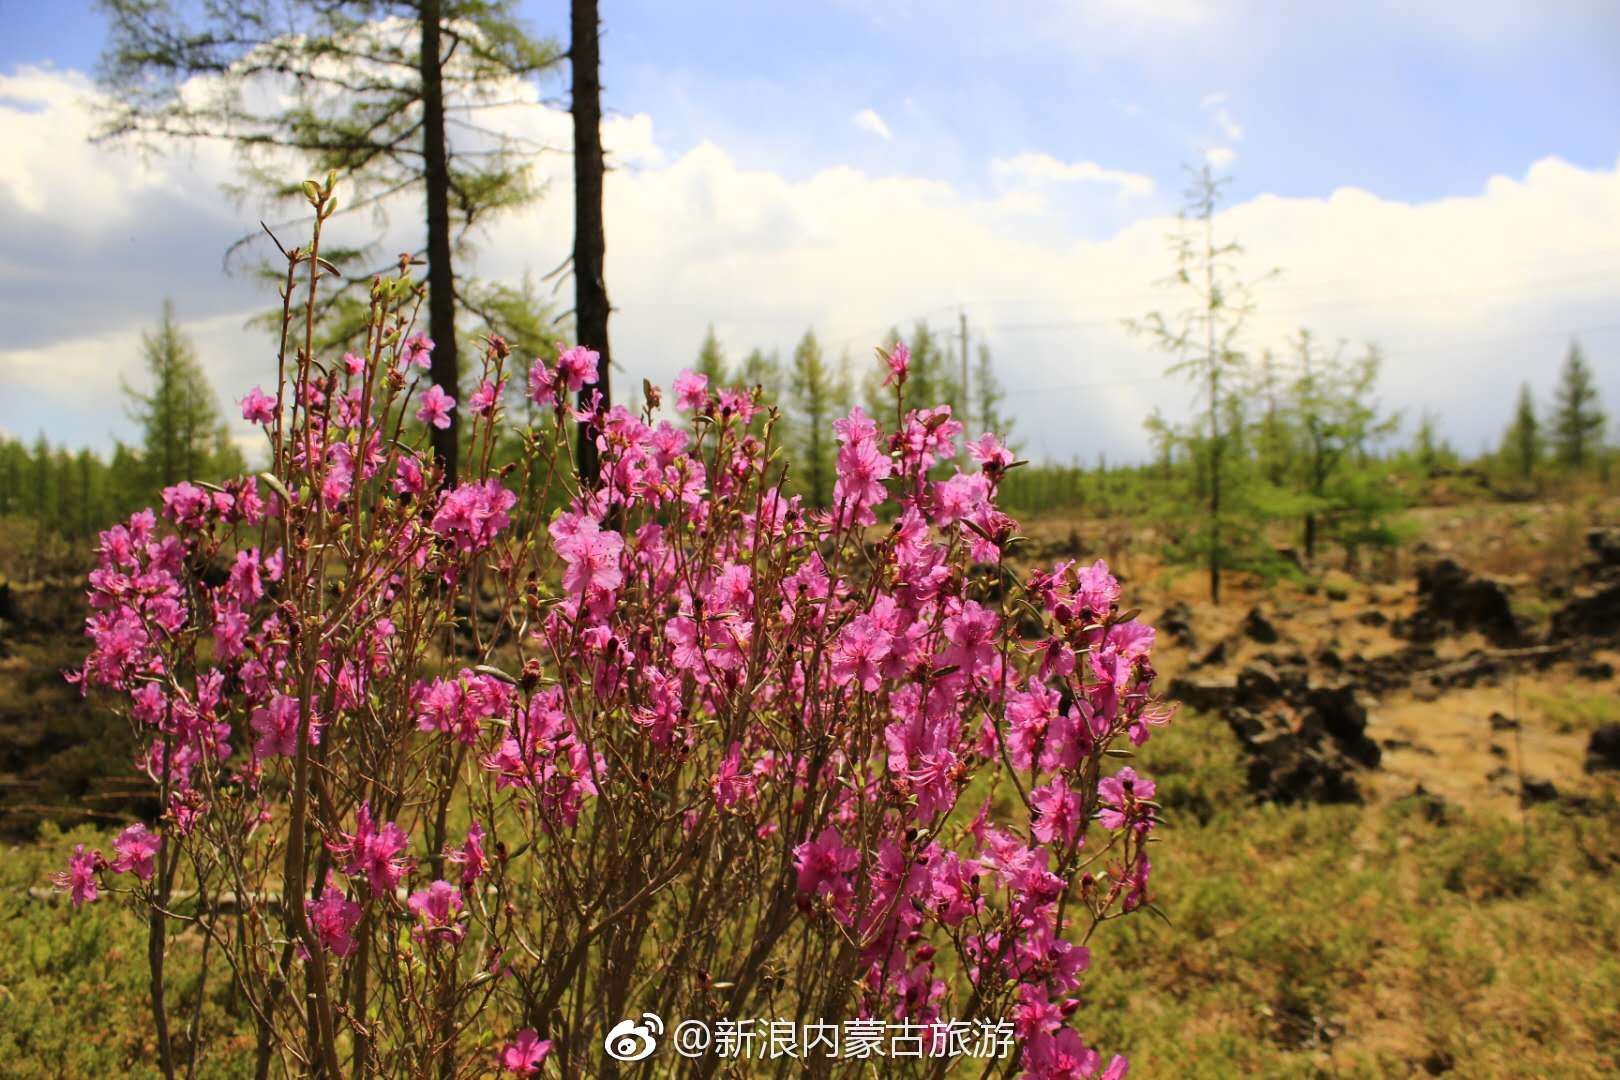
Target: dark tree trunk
x=441, y=277
x=591, y=306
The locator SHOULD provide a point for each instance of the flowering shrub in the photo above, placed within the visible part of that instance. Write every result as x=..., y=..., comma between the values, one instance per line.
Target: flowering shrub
x=451, y=783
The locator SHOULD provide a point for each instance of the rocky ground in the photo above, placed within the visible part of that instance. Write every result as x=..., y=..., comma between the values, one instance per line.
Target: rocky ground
x=1439, y=671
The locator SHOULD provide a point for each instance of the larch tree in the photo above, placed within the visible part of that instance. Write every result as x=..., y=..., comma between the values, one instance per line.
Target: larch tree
x=1522, y=445
x=183, y=436
x=591, y=305
x=1204, y=339
x=393, y=95
x=814, y=392
x=1577, y=417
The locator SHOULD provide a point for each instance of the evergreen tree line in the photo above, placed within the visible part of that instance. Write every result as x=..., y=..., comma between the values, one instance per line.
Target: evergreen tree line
x=76, y=493
x=811, y=389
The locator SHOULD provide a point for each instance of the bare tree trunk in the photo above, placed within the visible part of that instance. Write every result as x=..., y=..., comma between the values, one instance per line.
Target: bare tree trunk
x=441, y=277
x=591, y=306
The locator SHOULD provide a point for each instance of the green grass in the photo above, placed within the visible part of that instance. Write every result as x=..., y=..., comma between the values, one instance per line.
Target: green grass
x=1342, y=941
x=1576, y=710
x=1394, y=940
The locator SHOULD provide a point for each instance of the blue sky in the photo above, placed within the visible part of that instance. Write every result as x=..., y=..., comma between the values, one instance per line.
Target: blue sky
x=1431, y=176
x=1412, y=101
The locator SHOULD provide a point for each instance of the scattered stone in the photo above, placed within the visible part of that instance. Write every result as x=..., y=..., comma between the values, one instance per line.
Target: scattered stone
x=1538, y=791
x=1450, y=599
x=1605, y=546
x=1176, y=624
x=1329, y=658
x=1372, y=617
x=1204, y=696
x=1603, y=750
x=1256, y=627
x=1498, y=774
x=1498, y=751
x=1503, y=723
x=1215, y=655
x=1592, y=615
x=1303, y=743
x=1595, y=670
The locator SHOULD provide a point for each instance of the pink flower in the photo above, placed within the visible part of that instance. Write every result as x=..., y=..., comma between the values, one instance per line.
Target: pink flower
x=731, y=785
x=1121, y=793
x=990, y=453
x=277, y=727
x=590, y=552
x=824, y=865
x=1057, y=810
x=470, y=855
x=258, y=407
x=861, y=648
x=576, y=367
x=899, y=360
x=353, y=364
x=136, y=847
x=418, y=350
x=525, y=1053
x=691, y=391
x=472, y=515
x=485, y=397
x=374, y=852
x=408, y=478
x=436, y=406
x=334, y=917
x=438, y=912
x=542, y=384
x=80, y=876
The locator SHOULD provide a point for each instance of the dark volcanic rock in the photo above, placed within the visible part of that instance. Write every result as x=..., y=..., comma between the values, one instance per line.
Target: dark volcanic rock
x=1605, y=546
x=1538, y=791
x=1595, y=670
x=1303, y=743
x=1176, y=624
x=1256, y=627
x=1603, y=751
x=1451, y=599
x=1593, y=615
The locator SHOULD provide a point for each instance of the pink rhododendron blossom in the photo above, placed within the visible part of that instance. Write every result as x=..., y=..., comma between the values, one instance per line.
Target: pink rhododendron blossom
x=435, y=407
x=898, y=360
x=576, y=367
x=334, y=917
x=373, y=853
x=258, y=407
x=525, y=1053
x=691, y=391
x=438, y=910
x=417, y=352
x=79, y=879
x=137, y=846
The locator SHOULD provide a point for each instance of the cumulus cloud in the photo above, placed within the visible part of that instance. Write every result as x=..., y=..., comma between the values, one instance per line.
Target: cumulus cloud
x=869, y=121
x=1468, y=295
x=1038, y=168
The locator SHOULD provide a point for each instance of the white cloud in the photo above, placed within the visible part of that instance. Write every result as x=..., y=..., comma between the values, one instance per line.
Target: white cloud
x=1220, y=115
x=1220, y=157
x=1037, y=168
x=869, y=121
x=1470, y=294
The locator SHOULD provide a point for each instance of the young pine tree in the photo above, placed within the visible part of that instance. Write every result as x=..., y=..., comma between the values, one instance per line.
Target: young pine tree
x=1577, y=418
x=1204, y=338
x=711, y=360
x=815, y=392
x=1522, y=444
x=179, y=418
